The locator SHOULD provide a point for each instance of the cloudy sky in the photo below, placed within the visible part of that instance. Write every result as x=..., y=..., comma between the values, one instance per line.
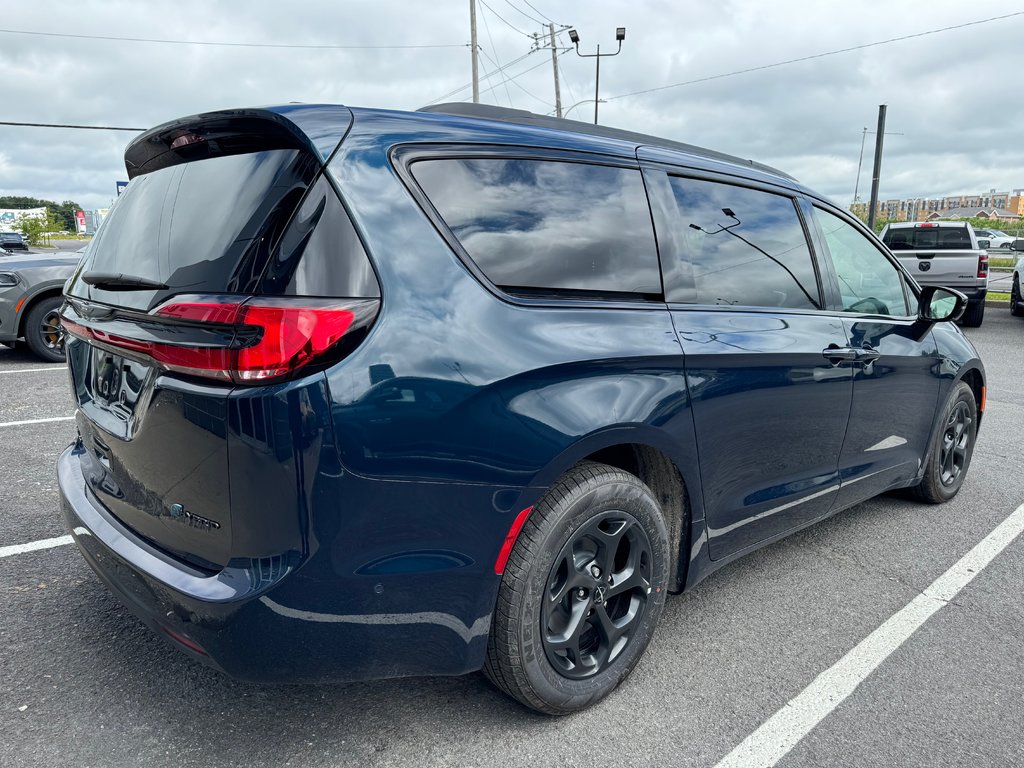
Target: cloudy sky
x=949, y=94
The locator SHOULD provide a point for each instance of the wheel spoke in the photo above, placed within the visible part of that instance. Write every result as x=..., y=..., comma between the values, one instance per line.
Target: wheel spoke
x=610, y=537
x=569, y=640
x=627, y=582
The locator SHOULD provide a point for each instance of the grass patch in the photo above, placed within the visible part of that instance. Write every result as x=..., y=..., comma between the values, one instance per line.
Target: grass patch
x=997, y=296
x=1002, y=261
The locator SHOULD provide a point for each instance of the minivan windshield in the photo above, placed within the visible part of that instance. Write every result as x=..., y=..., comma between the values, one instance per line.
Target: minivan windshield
x=196, y=226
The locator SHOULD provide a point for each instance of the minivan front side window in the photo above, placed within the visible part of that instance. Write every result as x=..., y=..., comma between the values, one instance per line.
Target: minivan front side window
x=868, y=281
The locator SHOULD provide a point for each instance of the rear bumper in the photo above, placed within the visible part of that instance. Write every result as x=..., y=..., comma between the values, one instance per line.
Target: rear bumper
x=285, y=626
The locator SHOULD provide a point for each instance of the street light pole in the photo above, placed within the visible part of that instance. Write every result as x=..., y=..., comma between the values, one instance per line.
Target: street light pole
x=620, y=35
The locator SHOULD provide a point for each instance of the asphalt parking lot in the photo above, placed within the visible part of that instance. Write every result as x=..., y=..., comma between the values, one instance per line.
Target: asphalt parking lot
x=84, y=684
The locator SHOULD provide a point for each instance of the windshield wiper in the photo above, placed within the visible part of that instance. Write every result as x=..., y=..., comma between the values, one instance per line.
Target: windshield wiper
x=109, y=281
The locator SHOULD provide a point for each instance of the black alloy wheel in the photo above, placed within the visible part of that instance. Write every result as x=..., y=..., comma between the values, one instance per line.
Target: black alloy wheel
x=596, y=595
x=956, y=441
x=43, y=331
x=1015, y=308
x=951, y=448
x=582, y=591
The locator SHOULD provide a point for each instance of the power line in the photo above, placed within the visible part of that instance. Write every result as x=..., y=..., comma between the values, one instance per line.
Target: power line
x=495, y=60
x=469, y=85
x=816, y=56
x=520, y=74
x=521, y=12
x=230, y=45
x=521, y=88
x=531, y=5
x=80, y=127
x=505, y=21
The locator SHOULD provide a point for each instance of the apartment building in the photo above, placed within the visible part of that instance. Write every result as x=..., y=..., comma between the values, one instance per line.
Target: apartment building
x=1005, y=206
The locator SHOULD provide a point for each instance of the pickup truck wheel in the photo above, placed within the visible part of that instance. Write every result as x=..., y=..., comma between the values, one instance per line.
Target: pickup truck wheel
x=1015, y=308
x=951, y=449
x=582, y=591
x=43, y=332
x=973, y=315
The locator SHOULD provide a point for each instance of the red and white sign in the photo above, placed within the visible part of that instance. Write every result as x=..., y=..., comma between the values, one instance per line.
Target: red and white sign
x=80, y=221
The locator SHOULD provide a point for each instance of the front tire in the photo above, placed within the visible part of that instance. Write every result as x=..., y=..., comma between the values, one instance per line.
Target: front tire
x=951, y=449
x=1015, y=308
x=43, y=333
x=582, y=591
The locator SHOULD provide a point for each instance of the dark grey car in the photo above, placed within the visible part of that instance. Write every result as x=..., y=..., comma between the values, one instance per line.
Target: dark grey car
x=30, y=296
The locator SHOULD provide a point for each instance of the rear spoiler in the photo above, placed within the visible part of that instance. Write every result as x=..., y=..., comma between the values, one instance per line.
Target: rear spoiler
x=315, y=128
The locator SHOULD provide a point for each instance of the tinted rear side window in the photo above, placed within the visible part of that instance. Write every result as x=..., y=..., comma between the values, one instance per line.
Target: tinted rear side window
x=744, y=247
x=200, y=227
x=928, y=238
x=548, y=226
x=320, y=253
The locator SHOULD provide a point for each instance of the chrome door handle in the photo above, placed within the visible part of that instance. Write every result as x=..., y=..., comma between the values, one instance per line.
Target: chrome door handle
x=837, y=354
x=868, y=354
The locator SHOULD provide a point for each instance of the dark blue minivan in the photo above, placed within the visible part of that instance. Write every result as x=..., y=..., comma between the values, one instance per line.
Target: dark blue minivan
x=364, y=393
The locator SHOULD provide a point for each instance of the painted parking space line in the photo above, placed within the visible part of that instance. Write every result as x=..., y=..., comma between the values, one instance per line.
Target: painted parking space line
x=782, y=731
x=34, y=370
x=35, y=421
x=32, y=546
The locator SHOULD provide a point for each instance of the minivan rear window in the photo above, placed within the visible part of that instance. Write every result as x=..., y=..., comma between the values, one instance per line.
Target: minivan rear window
x=539, y=226
x=200, y=227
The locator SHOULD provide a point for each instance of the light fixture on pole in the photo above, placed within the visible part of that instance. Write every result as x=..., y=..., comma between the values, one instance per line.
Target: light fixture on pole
x=620, y=35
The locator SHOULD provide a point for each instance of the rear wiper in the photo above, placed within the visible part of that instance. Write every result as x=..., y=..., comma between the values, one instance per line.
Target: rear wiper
x=109, y=281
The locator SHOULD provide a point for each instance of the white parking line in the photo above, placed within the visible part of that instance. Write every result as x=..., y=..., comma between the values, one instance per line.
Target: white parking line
x=35, y=370
x=783, y=730
x=32, y=546
x=35, y=421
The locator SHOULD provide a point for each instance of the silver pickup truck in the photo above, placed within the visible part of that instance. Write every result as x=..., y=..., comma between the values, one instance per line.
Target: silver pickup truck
x=943, y=253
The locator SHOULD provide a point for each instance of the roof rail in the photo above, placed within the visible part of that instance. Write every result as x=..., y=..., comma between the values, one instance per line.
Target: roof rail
x=523, y=117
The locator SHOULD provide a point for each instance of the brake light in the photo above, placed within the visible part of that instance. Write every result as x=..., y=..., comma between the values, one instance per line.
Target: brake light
x=258, y=339
x=927, y=224
x=983, y=265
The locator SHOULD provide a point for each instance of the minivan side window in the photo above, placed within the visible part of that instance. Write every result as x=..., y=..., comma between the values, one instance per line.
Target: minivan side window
x=546, y=226
x=868, y=281
x=744, y=246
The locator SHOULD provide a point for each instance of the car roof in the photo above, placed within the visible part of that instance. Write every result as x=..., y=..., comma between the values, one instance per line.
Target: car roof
x=521, y=117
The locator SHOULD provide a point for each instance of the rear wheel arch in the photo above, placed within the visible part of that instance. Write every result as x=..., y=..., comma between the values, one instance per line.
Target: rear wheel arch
x=31, y=301
x=675, y=484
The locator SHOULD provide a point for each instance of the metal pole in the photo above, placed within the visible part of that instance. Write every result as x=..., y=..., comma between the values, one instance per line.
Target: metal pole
x=472, y=37
x=554, y=67
x=877, y=172
x=597, y=83
x=860, y=163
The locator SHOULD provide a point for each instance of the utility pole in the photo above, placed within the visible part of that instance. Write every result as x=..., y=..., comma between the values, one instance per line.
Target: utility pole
x=472, y=42
x=860, y=160
x=877, y=172
x=554, y=68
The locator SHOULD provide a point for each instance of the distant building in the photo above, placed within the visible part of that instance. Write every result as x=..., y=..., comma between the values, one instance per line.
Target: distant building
x=1001, y=206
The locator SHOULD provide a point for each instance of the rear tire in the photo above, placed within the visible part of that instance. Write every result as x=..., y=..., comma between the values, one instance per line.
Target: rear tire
x=973, y=315
x=1015, y=308
x=43, y=333
x=582, y=591
x=951, y=449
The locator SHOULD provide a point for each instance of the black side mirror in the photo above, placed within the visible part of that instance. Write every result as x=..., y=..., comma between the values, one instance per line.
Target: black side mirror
x=984, y=242
x=938, y=305
x=1016, y=245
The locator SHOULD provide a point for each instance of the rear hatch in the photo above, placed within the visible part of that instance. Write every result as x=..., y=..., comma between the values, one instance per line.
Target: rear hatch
x=939, y=254
x=228, y=263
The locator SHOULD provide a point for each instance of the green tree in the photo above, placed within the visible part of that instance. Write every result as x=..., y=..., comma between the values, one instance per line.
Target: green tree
x=37, y=229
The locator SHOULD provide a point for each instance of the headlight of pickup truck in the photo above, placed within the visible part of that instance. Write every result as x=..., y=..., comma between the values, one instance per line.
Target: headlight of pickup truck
x=7, y=279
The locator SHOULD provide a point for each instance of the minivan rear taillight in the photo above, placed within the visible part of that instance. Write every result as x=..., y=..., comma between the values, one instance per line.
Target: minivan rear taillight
x=983, y=265
x=252, y=339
